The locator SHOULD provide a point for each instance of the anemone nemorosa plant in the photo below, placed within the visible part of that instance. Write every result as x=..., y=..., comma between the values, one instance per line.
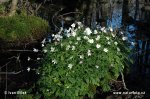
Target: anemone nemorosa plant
x=80, y=60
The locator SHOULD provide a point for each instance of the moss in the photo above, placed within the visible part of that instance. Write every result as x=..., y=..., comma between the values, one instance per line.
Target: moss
x=21, y=28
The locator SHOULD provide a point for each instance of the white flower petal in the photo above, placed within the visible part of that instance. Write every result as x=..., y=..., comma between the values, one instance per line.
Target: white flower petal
x=54, y=61
x=91, y=41
x=52, y=49
x=45, y=50
x=97, y=38
x=118, y=49
x=89, y=53
x=111, y=29
x=70, y=66
x=38, y=58
x=121, y=32
x=68, y=47
x=73, y=25
x=108, y=43
x=113, y=35
x=133, y=43
x=124, y=38
x=102, y=29
x=82, y=56
x=78, y=38
x=105, y=50
x=88, y=31
x=98, y=45
x=73, y=47
x=95, y=32
x=107, y=38
x=29, y=59
x=28, y=69
x=85, y=37
x=76, y=43
x=116, y=43
x=73, y=33
x=35, y=50
x=97, y=66
x=80, y=62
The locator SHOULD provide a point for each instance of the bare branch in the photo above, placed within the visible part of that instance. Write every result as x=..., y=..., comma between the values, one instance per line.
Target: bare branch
x=13, y=73
x=5, y=65
x=124, y=85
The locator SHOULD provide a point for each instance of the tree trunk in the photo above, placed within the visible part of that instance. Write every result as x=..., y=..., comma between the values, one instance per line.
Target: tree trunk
x=13, y=7
x=136, y=9
x=125, y=11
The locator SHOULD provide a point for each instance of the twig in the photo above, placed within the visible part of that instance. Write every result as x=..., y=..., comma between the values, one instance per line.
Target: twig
x=4, y=65
x=124, y=85
x=115, y=80
x=14, y=73
x=20, y=50
x=55, y=16
x=69, y=13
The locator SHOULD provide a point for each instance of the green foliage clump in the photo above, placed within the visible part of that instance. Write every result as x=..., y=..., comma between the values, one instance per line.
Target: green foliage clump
x=22, y=28
x=75, y=66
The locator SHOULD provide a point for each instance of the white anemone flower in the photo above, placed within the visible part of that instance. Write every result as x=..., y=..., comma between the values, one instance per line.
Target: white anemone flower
x=103, y=28
x=91, y=41
x=97, y=66
x=42, y=45
x=95, y=31
x=53, y=35
x=80, y=24
x=68, y=31
x=54, y=61
x=35, y=50
x=73, y=25
x=29, y=59
x=61, y=44
x=38, y=58
x=78, y=38
x=124, y=38
x=73, y=47
x=45, y=50
x=108, y=43
x=112, y=65
x=105, y=50
x=133, y=43
x=87, y=31
x=118, y=49
x=113, y=35
x=97, y=38
x=121, y=32
x=85, y=37
x=52, y=49
x=105, y=31
x=57, y=37
x=107, y=38
x=111, y=29
x=68, y=47
x=28, y=69
x=80, y=62
x=76, y=43
x=70, y=66
x=43, y=41
x=81, y=56
x=116, y=43
x=68, y=35
x=98, y=45
x=73, y=33
x=89, y=53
